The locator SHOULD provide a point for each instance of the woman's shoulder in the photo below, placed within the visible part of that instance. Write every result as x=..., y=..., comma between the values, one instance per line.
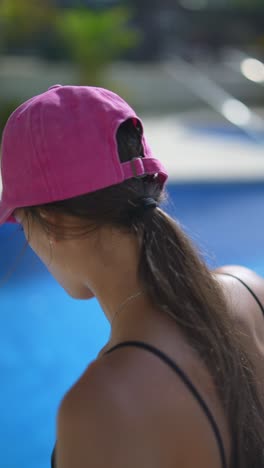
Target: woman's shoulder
x=111, y=418
x=248, y=276
x=244, y=293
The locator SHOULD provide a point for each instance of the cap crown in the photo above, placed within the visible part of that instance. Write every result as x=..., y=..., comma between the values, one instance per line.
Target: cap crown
x=62, y=144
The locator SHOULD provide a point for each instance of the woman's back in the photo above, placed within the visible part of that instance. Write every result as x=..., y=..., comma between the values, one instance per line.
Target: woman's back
x=150, y=416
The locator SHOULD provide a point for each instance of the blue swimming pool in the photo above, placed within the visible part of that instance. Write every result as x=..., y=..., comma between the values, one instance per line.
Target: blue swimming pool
x=47, y=338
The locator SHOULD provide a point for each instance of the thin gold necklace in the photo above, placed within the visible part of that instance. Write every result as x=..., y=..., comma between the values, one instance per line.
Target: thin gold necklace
x=125, y=302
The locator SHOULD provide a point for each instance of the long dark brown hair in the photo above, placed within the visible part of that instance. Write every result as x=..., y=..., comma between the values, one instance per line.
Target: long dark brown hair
x=173, y=275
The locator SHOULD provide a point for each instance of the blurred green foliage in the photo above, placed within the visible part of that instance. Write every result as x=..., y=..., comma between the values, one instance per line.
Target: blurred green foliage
x=23, y=20
x=95, y=38
x=88, y=39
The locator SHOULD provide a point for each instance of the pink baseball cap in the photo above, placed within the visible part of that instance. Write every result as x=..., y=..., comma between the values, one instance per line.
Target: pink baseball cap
x=62, y=143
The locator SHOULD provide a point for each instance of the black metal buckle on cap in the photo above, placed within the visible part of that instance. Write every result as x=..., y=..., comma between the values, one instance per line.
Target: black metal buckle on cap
x=134, y=168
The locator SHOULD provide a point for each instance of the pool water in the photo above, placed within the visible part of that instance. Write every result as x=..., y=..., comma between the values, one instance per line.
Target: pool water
x=47, y=339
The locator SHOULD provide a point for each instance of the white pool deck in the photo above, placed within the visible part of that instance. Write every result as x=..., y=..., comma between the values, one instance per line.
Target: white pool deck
x=201, y=157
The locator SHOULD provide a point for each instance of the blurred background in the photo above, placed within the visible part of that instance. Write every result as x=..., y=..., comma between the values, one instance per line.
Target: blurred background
x=194, y=71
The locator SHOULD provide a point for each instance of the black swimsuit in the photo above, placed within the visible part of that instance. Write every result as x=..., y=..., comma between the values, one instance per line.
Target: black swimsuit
x=189, y=385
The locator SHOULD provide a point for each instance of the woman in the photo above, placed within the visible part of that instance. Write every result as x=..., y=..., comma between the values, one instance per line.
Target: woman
x=179, y=384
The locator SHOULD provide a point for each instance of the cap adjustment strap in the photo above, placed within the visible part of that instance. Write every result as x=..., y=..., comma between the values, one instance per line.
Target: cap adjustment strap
x=140, y=167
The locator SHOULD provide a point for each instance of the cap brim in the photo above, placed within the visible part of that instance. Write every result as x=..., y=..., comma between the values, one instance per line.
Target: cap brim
x=6, y=214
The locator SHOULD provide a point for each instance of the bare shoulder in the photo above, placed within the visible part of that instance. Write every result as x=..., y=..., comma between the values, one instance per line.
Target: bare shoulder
x=250, y=277
x=242, y=303
x=104, y=424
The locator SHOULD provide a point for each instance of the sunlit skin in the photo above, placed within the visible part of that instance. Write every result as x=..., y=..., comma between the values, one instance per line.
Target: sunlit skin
x=108, y=419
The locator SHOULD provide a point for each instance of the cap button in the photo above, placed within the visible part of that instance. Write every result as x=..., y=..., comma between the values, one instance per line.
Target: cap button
x=55, y=86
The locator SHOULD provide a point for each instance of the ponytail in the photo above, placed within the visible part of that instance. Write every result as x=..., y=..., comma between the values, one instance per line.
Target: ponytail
x=175, y=277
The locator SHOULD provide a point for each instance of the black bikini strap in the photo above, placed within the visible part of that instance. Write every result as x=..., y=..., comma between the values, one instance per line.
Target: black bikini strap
x=249, y=289
x=188, y=384
x=53, y=460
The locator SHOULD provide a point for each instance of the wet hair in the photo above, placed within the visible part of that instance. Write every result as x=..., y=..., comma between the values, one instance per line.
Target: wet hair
x=173, y=275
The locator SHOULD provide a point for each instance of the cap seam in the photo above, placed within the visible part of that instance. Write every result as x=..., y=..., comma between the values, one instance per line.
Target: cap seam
x=38, y=150
x=44, y=141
